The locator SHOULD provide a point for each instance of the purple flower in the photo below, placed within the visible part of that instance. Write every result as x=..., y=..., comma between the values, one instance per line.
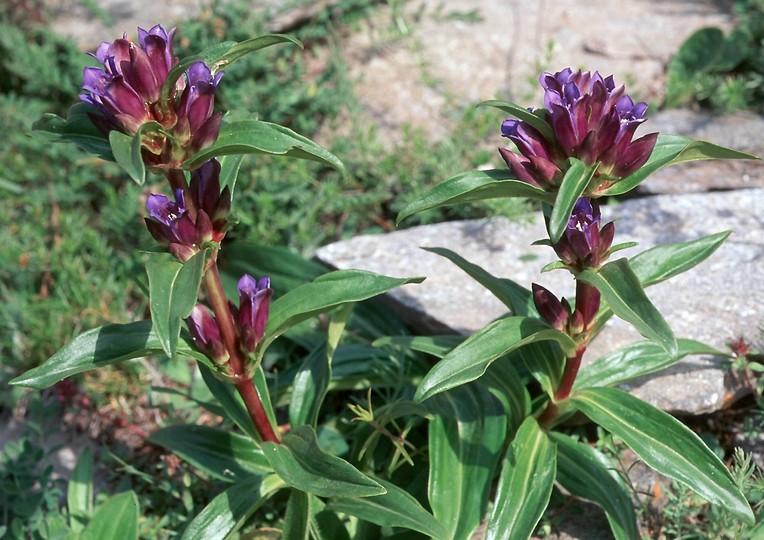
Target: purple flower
x=254, y=302
x=127, y=91
x=584, y=244
x=198, y=215
x=206, y=333
x=591, y=119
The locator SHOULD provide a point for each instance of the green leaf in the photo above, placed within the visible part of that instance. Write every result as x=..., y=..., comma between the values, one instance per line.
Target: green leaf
x=302, y=464
x=470, y=187
x=544, y=361
x=229, y=172
x=396, y=508
x=574, y=183
x=127, y=150
x=221, y=454
x=506, y=385
x=671, y=149
x=525, y=484
x=258, y=137
x=465, y=440
x=76, y=128
x=470, y=360
x=103, y=346
x=230, y=510
x=663, y=262
x=664, y=444
x=231, y=402
x=517, y=298
x=116, y=519
x=621, y=289
x=79, y=492
x=297, y=517
x=586, y=473
x=173, y=291
x=438, y=346
x=534, y=118
x=636, y=360
x=312, y=380
x=323, y=294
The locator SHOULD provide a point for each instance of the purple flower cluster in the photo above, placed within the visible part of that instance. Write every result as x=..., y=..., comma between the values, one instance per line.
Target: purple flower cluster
x=198, y=215
x=250, y=318
x=591, y=119
x=127, y=91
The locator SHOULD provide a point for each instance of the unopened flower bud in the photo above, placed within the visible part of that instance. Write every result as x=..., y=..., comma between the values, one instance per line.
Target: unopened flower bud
x=254, y=302
x=550, y=307
x=206, y=333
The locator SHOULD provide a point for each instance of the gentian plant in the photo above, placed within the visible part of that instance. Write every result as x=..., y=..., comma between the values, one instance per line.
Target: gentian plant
x=502, y=433
x=490, y=409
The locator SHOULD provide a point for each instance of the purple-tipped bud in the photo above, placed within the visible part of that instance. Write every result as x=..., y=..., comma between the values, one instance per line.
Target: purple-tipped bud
x=254, y=302
x=583, y=245
x=206, y=333
x=551, y=309
x=198, y=215
x=127, y=91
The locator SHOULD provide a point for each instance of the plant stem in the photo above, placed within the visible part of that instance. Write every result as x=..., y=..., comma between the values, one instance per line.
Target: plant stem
x=237, y=362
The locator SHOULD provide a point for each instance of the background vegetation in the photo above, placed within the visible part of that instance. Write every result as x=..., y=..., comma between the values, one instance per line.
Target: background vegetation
x=71, y=224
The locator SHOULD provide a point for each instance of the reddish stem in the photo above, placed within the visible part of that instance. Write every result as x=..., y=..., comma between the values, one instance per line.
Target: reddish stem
x=237, y=362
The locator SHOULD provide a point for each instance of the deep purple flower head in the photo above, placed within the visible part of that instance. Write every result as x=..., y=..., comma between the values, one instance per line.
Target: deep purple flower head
x=584, y=244
x=254, y=302
x=206, y=333
x=127, y=91
x=198, y=215
x=591, y=119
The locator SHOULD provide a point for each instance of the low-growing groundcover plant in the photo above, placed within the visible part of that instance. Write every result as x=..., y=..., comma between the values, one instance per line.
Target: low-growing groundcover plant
x=475, y=440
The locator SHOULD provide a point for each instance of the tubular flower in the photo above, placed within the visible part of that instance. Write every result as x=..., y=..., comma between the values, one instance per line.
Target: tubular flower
x=206, y=333
x=252, y=315
x=127, y=93
x=584, y=244
x=592, y=119
x=198, y=215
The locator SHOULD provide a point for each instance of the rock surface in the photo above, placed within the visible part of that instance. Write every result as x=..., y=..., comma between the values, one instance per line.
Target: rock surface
x=715, y=302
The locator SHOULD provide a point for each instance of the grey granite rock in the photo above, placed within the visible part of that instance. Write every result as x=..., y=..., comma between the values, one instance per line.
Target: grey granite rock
x=739, y=130
x=715, y=302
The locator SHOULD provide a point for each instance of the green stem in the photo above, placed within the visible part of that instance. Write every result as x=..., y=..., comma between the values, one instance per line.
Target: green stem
x=237, y=362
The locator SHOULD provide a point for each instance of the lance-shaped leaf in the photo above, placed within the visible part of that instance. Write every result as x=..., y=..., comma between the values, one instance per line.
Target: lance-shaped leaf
x=258, y=137
x=470, y=360
x=525, y=484
x=517, y=298
x=312, y=380
x=127, y=150
x=573, y=185
x=222, y=454
x=473, y=186
x=116, y=519
x=665, y=444
x=586, y=473
x=79, y=492
x=663, y=262
x=220, y=55
x=621, y=289
x=297, y=516
x=544, y=361
x=465, y=440
x=231, y=402
x=302, y=464
x=230, y=510
x=103, y=346
x=324, y=293
x=76, y=128
x=534, y=118
x=229, y=172
x=506, y=384
x=173, y=291
x=671, y=149
x=636, y=360
x=396, y=508
x=438, y=346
